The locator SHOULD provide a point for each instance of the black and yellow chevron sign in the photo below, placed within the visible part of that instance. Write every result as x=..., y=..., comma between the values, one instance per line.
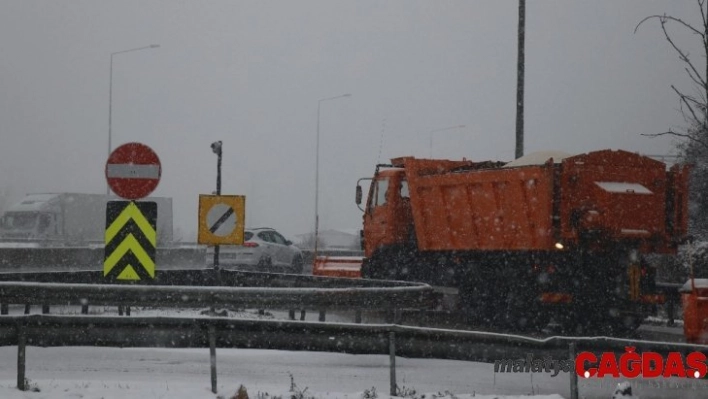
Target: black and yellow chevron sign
x=131, y=238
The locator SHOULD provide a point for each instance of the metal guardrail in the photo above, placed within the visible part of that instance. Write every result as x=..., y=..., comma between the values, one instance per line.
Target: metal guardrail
x=394, y=340
x=240, y=297
x=180, y=288
x=212, y=288
x=414, y=342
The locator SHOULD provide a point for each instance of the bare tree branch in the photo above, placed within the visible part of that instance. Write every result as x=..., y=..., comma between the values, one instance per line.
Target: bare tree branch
x=695, y=80
x=678, y=134
x=683, y=99
x=692, y=100
x=694, y=108
x=682, y=56
x=668, y=17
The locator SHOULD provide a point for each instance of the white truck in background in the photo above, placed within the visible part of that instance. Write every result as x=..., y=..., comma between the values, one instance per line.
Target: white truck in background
x=71, y=219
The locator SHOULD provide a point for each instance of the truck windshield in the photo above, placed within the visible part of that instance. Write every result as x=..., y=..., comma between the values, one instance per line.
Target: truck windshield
x=19, y=221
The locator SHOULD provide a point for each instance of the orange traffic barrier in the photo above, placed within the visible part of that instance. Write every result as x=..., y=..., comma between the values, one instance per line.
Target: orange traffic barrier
x=694, y=298
x=337, y=266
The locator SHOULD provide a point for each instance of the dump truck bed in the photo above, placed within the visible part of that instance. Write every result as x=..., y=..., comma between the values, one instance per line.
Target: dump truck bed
x=622, y=195
x=482, y=209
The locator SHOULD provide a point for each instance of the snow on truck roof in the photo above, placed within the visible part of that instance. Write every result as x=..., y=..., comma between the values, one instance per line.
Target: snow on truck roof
x=32, y=202
x=539, y=158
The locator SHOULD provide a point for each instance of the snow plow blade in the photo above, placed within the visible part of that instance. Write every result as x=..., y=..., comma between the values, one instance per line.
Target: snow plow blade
x=338, y=266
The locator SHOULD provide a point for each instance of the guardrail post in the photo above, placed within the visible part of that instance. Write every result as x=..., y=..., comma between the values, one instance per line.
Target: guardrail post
x=323, y=314
x=302, y=315
x=127, y=310
x=21, y=347
x=4, y=308
x=212, y=356
x=84, y=308
x=45, y=309
x=28, y=307
x=120, y=310
x=291, y=314
x=573, y=375
x=392, y=361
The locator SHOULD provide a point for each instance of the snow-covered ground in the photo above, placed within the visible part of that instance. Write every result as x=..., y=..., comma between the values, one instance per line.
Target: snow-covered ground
x=111, y=373
x=84, y=372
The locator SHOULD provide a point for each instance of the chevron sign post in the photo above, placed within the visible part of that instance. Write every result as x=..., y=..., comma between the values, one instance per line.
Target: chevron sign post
x=131, y=238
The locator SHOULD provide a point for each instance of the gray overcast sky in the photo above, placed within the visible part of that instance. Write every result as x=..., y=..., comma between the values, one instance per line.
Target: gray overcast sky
x=251, y=74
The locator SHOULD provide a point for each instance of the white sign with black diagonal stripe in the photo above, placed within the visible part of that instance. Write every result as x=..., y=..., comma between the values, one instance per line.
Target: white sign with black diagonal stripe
x=221, y=220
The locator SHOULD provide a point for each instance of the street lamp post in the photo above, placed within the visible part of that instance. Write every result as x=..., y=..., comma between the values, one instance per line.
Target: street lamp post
x=317, y=172
x=216, y=148
x=440, y=130
x=110, y=97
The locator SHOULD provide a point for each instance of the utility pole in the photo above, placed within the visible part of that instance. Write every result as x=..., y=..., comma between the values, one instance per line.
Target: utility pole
x=317, y=174
x=520, y=82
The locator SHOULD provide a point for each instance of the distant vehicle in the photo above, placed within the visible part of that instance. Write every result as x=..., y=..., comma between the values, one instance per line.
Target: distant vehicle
x=71, y=219
x=264, y=249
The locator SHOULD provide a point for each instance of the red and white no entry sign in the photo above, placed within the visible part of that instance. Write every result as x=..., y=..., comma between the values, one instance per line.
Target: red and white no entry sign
x=133, y=171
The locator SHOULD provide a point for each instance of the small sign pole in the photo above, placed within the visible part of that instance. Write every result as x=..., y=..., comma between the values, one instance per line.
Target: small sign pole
x=218, y=192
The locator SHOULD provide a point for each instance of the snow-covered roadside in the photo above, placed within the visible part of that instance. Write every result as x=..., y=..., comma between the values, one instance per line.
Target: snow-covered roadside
x=112, y=373
x=87, y=390
x=87, y=372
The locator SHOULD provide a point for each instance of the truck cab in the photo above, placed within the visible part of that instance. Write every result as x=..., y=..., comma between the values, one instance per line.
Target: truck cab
x=387, y=216
x=31, y=224
x=31, y=219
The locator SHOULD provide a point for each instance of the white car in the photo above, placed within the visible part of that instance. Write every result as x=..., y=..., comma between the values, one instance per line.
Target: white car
x=263, y=249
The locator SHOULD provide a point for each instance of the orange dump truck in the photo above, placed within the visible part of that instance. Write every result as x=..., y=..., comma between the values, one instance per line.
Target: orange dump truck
x=527, y=241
